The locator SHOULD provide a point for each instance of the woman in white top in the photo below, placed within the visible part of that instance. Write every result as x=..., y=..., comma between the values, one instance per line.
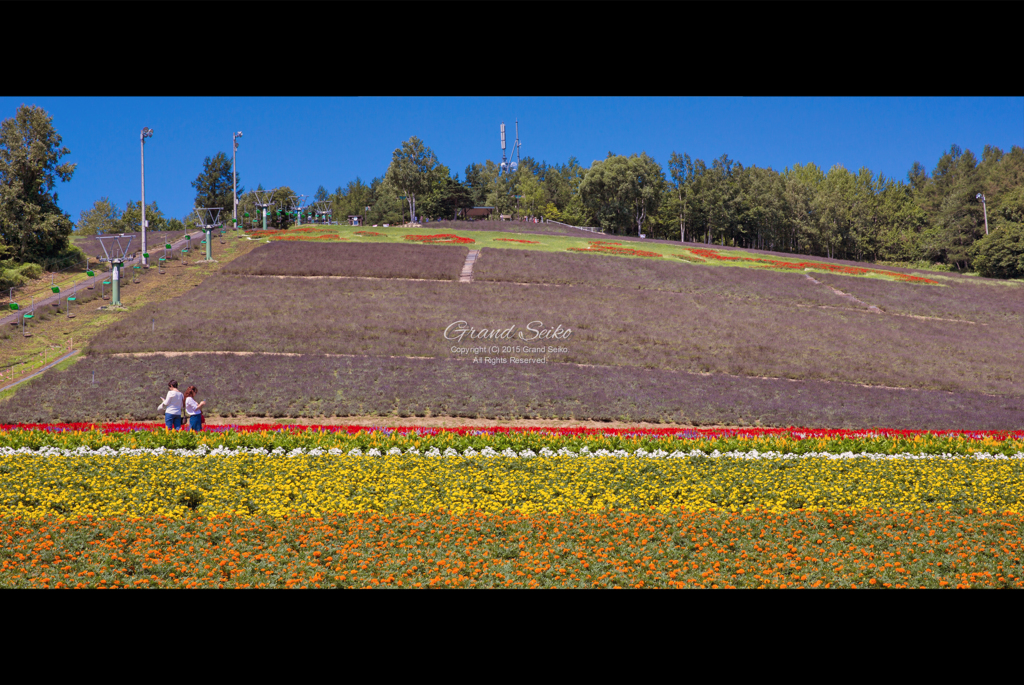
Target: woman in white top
x=193, y=409
x=174, y=402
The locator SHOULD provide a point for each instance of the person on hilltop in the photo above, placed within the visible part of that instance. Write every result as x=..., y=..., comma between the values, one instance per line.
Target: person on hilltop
x=193, y=410
x=174, y=403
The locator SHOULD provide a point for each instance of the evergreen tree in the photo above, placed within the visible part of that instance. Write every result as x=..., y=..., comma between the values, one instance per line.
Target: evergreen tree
x=214, y=184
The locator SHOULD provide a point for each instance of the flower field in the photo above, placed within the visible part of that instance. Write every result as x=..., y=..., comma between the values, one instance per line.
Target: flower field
x=133, y=505
x=613, y=549
x=613, y=248
x=307, y=238
x=439, y=239
x=147, y=482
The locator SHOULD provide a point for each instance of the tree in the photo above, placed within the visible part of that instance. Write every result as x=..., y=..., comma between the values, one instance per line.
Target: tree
x=386, y=207
x=351, y=200
x=447, y=195
x=953, y=210
x=131, y=218
x=277, y=214
x=681, y=170
x=104, y=217
x=31, y=222
x=1000, y=254
x=623, y=191
x=213, y=185
x=477, y=181
x=410, y=169
x=534, y=198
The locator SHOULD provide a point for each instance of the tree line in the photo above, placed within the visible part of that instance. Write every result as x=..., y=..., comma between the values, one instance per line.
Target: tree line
x=935, y=218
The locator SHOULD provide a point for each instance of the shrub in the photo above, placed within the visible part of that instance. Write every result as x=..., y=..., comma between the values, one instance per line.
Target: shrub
x=1001, y=253
x=15, y=276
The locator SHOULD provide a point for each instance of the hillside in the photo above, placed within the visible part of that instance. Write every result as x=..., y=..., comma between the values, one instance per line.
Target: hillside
x=689, y=334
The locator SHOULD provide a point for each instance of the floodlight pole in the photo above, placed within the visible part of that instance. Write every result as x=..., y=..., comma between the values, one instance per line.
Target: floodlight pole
x=146, y=133
x=234, y=177
x=985, y=208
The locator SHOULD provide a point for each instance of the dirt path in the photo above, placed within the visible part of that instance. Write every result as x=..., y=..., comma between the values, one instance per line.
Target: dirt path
x=840, y=293
x=41, y=370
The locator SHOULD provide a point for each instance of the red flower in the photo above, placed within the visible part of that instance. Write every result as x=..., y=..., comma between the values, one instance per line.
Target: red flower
x=440, y=238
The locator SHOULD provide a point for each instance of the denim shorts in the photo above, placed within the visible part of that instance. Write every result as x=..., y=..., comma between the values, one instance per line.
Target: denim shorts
x=172, y=421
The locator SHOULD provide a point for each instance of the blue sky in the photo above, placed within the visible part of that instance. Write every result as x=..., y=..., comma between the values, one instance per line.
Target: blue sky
x=306, y=142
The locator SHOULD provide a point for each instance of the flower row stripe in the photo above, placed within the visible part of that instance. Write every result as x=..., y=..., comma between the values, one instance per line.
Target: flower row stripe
x=572, y=549
x=140, y=482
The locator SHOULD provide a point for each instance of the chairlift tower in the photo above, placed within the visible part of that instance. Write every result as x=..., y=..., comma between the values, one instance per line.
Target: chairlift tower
x=322, y=209
x=117, y=260
x=208, y=218
x=295, y=204
x=263, y=201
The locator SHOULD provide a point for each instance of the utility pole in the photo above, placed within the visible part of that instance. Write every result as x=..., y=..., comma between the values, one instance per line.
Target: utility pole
x=146, y=133
x=234, y=177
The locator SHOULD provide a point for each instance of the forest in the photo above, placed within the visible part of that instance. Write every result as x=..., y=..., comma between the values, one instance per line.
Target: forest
x=966, y=215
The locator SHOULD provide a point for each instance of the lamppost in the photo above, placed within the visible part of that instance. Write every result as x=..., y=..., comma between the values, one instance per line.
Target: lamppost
x=984, y=207
x=146, y=133
x=234, y=178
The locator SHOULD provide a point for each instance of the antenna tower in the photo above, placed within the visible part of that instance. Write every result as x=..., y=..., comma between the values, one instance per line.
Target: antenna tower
x=510, y=166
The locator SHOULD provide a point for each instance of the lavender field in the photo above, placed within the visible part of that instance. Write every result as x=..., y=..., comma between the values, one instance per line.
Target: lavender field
x=314, y=386
x=434, y=262
x=998, y=303
x=699, y=281
x=742, y=331
x=652, y=340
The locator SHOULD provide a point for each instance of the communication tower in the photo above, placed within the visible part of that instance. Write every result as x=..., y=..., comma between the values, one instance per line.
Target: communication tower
x=511, y=165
